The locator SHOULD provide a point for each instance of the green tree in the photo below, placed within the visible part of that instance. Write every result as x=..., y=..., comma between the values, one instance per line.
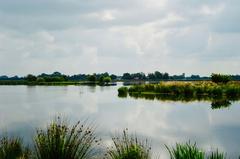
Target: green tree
x=107, y=79
x=101, y=79
x=127, y=76
x=220, y=78
x=40, y=79
x=31, y=78
x=113, y=77
x=92, y=78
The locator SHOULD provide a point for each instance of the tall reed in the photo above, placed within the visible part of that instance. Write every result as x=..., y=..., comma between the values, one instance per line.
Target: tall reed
x=62, y=141
x=12, y=148
x=216, y=155
x=185, y=151
x=129, y=147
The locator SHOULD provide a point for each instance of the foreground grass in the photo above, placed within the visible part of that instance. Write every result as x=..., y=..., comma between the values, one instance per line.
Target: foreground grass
x=185, y=151
x=191, y=151
x=63, y=141
x=129, y=147
x=12, y=148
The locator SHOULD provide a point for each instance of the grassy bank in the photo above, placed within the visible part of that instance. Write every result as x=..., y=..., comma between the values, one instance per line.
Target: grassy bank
x=61, y=140
x=187, y=89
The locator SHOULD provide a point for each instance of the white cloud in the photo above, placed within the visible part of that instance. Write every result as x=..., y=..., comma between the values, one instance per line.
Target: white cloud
x=151, y=35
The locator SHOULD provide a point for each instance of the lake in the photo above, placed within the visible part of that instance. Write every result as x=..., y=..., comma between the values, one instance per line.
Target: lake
x=25, y=108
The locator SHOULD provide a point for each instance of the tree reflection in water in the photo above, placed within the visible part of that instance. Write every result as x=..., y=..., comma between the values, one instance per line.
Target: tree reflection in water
x=218, y=102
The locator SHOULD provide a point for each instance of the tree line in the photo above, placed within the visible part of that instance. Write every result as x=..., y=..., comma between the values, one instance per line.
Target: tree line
x=101, y=77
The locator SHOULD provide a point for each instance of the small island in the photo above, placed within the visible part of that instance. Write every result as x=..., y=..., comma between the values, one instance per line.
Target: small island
x=220, y=86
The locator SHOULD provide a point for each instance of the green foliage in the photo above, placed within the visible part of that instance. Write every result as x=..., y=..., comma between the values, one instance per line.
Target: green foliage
x=107, y=79
x=189, y=89
x=216, y=155
x=61, y=141
x=219, y=78
x=92, y=78
x=31, y=78
x=129, y=147
x=185, y=151
x=40, y=79
x=122, y=91
x=12, y=148
x=101, y=79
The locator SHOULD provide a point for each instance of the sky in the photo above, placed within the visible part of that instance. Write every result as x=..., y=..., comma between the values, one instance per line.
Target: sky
x=87, y=36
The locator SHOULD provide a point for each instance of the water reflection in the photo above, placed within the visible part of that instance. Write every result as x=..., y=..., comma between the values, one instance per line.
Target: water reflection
x=216, y=103
x=23, y=109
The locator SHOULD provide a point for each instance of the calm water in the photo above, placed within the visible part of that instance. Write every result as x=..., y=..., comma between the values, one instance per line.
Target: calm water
x=24, y=108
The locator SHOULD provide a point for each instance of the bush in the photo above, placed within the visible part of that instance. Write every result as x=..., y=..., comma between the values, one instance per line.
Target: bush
x=31, y=78
x=92, y=78
x=12, y=148
x=219, y=78
x=62, y=141
x=126, y=147
x=107, y=79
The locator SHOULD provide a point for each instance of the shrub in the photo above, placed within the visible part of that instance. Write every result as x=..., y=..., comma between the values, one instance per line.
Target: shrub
x=107, y=79
x=62, y=141
x=92, y=78
x=219, y=78
x=129, y=147
x=12, y=148
x=185, y=151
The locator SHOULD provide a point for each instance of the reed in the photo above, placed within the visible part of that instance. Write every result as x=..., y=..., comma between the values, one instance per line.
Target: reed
x=129, y=147
x=12, y=148
x=63, y=141
x=190, y=89
x=185, y=151
x=216, y=155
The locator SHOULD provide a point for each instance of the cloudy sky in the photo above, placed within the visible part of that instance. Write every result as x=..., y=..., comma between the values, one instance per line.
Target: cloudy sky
x=86, y=36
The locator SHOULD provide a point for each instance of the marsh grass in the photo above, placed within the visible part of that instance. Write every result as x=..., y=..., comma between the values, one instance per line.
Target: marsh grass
x=216, y=155
x=188, y=90
x=62, y=141
x=185, y=151
x=12, y=148
x=129, y=147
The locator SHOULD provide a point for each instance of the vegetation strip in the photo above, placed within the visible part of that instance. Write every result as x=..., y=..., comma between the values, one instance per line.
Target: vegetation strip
x=79, y=141
x=186, y=89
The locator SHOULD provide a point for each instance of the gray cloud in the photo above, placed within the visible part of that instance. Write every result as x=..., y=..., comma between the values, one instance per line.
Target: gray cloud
x=89, y=36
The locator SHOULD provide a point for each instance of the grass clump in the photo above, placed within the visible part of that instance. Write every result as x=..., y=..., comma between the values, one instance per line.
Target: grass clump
x=129, y=147
x=12, y=148
x=62, y=141
x=185, y=151
x=216, y=155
